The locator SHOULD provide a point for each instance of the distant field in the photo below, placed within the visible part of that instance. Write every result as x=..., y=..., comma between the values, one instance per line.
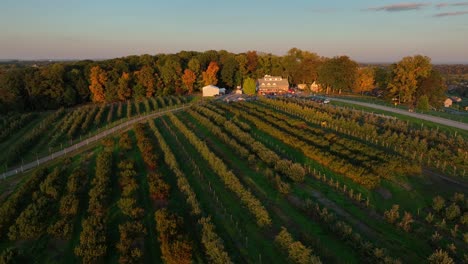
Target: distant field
x=266, y=181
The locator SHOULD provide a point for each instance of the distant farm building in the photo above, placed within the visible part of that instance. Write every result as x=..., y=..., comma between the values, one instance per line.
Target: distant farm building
x=272, y=84
x=448, y=102
x=239, y=90
x=211, y=90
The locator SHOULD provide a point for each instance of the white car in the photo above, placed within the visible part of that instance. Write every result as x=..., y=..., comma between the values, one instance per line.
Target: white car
x=326, y=101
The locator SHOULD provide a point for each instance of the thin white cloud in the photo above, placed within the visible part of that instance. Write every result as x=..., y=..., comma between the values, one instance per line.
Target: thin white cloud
x=442, y=5
x=446, y=14
x=399, y=7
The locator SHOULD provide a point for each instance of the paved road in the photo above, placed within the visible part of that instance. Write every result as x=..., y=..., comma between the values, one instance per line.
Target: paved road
x=434, y=119
x=85, y=142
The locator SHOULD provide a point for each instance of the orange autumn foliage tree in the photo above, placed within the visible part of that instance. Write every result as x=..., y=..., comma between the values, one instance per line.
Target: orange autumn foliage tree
x=189, y=79
x=98, y=79
x=365, y=80
x=209, y=76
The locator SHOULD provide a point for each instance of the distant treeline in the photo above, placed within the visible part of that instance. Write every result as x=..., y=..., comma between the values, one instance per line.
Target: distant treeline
x=46, y=85
x=447, y=69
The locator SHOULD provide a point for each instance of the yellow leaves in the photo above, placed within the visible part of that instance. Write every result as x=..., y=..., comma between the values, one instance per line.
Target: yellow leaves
x=365, y=80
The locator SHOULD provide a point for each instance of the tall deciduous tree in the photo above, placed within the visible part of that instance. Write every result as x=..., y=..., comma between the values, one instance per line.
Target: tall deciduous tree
x=228, y=71
x=252, y=61
x=210, y=75
x=242, y=61
x=338, y=73
x=301, y=66
x=189, y=79
x=407, y=75
x=264, y=65
x=382, y=77
x=12, y=92
x=433, y=87
x=365, y=80
x=171, y=71
x=145, y=77
x=124, y=92
x=98, y=79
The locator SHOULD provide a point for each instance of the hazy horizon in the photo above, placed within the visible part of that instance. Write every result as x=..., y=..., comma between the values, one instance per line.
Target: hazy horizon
x=364, y=30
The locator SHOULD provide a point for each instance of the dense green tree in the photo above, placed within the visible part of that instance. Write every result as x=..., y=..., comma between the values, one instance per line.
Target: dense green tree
x=382, y=76
x=145, y=77
x=171, y=71
x=338, y=73
x=242, y=62
x=423, y=103
x=139, y=91
x=301, y=66
x=125, y=91
x=207, y=57
x=12, y=92
x=407, y=75
x=249, y=86
x=433, y=87
x=264, y=66
x=291, y=64
x=69, y=96
x=75, y=78
x=228, y=72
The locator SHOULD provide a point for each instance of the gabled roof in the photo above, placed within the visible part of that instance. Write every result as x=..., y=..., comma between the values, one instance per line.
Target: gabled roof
x=210, y=87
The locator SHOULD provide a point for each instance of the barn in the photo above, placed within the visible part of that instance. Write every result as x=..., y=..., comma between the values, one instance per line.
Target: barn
x=210, y=90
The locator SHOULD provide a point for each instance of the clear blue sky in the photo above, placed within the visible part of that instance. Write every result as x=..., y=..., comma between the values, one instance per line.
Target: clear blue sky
x=365, y=30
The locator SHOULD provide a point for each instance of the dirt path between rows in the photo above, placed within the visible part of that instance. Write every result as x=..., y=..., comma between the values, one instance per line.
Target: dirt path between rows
x=342, y=213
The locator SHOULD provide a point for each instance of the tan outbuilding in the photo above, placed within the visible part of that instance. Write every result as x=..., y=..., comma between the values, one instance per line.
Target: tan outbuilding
x=210, y=90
